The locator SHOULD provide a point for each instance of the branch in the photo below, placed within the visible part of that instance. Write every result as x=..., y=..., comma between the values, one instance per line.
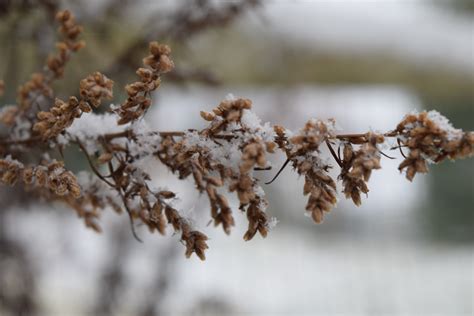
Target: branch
x=91, y=164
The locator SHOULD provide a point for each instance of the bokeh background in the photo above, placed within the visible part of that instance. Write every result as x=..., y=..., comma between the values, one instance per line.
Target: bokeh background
x=408, y=250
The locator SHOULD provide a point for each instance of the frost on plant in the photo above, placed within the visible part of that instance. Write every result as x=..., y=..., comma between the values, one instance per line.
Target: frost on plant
x=221, y=158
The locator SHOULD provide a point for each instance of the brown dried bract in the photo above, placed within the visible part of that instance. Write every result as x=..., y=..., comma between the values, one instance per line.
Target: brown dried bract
x=139, y=99
x=92, y=90
x=40, y=83
x=430, y=138
x=357, y=166
x=190, y=157
x=50, y=176
x=9, y=114
x=303, y=151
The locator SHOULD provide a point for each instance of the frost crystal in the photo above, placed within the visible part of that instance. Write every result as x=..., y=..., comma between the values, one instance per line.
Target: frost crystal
x=90, y=126
x=146, y=142
x=227, y=154
x=12, y=161
x=443, y=123
x=254, y=123
x=230, y=97
x=272, y=223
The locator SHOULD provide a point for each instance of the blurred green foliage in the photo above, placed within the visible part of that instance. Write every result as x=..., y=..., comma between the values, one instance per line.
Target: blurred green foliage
x=449, y=215
x=462, y=6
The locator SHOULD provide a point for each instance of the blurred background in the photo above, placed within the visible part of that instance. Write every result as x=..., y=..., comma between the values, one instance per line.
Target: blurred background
x=408, y=250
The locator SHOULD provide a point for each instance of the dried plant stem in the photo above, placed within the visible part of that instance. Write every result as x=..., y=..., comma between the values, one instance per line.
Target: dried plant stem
x=333, y=153
x=91, y=164
x=28, y=141
x=128, y=133
x=221, y=157
x=400, y=148
x=130, y=215
x=287, y=161
x=114, y=186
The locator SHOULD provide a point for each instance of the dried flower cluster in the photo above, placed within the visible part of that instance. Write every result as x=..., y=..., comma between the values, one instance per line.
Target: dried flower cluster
x=62, y=114
x=40, y=83
x=138, y=101
x=303, y=150
x=49, y=176
x=221, y=158
x=357, y=166
x=225, y=154
x=430, y=138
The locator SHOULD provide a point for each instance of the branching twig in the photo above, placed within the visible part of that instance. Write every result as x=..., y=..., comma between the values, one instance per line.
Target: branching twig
x=333, y=153
x=220, y=157
x=91, y=164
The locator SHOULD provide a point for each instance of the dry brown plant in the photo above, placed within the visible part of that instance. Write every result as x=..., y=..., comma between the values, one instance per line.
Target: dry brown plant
x=221, y=157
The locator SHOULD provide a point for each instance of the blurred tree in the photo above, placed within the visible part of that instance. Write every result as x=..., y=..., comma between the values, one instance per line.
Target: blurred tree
x=463, y=6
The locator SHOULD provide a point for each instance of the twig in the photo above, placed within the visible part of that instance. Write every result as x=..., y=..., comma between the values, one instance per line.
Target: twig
x=384, y=154
x=27, y=141
x=333, y=153
x=91, y=164
x=124, y=200
x=400, y=148
x=279, y=171
x=130, y=215
x=129, y=134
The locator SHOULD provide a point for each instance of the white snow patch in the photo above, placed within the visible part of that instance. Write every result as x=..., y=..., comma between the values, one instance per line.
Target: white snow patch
x=443, y=123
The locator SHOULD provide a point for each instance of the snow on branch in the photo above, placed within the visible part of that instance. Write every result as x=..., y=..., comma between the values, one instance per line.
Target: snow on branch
x=221, y=158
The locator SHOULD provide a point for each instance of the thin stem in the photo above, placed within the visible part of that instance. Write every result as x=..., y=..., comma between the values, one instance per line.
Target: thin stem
x=400, y=148
x=333, y=153
x=91, y=164
x=384, y=154
x=279, y=171
x=343, y=136
x=130, y=134
x=119, y=190
x=130, y=216
x=124, y=200
x=31, y=140
x=262, y=169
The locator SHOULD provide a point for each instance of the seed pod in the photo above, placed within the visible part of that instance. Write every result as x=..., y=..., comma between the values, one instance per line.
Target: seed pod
x=167, y=194
x=348, y=152
x=207, y=115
